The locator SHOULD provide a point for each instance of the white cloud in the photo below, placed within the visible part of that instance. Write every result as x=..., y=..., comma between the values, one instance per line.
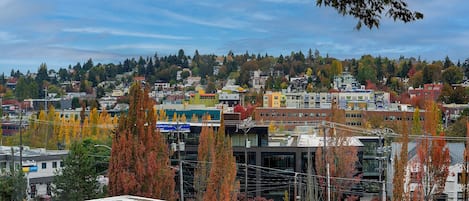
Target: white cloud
x=96, y=30
x=7, y=38
x=289, y=1
x=226, y=23
x=145, y=47
x=262, y=16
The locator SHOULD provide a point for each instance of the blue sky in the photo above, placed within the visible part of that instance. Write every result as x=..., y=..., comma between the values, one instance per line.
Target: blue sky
x=63, y=32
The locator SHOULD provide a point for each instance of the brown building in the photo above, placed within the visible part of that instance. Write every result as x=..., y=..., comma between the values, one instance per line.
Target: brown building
x=291, y=117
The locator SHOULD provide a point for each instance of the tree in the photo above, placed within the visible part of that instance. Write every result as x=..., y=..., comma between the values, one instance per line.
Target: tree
x=433, y=157
x=432, y=73
x=341, y=156
x=139, y=163
x=369, y=12
x=221, y=183
x=366, y=70
x=465, y=168
x=452, y=75
x=400, y=167
x=77, y=180
x=336, y=68
x=13, y=184
x=204, y=156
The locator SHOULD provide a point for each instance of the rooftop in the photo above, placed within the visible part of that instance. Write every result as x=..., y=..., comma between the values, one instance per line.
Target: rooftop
x=125, y=198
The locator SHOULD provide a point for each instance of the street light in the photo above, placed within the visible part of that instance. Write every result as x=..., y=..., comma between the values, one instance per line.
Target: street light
x=246, y=125
x=102, y=145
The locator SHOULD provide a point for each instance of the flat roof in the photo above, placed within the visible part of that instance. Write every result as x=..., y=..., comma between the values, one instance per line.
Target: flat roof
x=126, y=198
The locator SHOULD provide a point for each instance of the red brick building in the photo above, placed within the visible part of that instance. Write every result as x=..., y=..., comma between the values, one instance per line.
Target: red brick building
x=428, y=92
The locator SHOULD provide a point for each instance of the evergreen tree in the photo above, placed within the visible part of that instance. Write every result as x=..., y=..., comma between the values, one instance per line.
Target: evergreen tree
x=77, y=180
x=139, y=163
x=12, y=185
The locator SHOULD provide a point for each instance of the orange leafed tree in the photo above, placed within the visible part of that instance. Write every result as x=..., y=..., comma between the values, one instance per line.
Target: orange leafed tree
x=221, y=183
x=342, y=156
x=400, y=167
x=139, y=163
x=465, y=168
x=433, y=156
x=204, y=156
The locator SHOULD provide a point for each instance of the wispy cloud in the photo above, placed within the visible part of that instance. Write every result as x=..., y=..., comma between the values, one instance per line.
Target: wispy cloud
x=289, y=1
x=145, y=46
x=7, y=38
x=262, y=16
x=97, y=30
x=226, y=23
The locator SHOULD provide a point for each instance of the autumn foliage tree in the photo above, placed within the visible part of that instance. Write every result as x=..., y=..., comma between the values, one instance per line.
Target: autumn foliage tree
x=465, y=168
x=400, y=166
x=139, y=163
x=433, y=157
x=342, y=156
x=216, y=169
x=245, y=112
x=52, y=130
x=204, y=156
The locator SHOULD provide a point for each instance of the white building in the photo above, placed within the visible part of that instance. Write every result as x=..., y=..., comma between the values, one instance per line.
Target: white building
x=39, y=165
x=453, y=187
x=346, y=81
x=107, y=102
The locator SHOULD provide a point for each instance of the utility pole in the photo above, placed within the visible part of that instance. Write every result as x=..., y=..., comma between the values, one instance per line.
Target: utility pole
x=21, y=138
x=324, y=155
x=246, y=125
x=181, y=179
x=295, y=188
x=328, y=183
x=45, y=109
x=381, y=158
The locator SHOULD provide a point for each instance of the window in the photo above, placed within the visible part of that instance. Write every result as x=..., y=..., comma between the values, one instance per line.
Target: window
x=414, y=177
x=44, y=165
x=54, y=164
x=370, y=166
x=61, y=163
x=461, y=178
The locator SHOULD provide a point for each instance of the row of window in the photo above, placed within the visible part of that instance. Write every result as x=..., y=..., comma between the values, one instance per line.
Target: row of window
x=3, y=164
x=287, y=114
x=399, y=118
x=54, y=164
x=353, y=115
x=354, y=123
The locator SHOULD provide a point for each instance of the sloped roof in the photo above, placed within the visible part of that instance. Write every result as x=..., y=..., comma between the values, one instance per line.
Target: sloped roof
x=456, y=151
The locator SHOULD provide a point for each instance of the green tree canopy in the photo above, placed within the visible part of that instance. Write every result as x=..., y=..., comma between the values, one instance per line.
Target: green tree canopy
x=369, y=12
x=78, y=178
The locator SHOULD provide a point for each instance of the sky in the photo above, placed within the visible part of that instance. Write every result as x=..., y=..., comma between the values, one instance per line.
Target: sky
x=64, y=32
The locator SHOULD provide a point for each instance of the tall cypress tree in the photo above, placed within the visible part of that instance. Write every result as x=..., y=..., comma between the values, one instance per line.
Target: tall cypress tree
x=139, y=163
x=222, y=184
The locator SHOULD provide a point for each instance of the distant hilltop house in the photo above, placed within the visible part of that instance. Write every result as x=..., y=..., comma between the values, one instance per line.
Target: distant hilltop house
x=192, y=81
x=258, y=79
x=11, y=83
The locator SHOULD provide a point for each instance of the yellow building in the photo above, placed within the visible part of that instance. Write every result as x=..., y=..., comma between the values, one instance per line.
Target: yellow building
x=202, y=98
x=274, y=99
